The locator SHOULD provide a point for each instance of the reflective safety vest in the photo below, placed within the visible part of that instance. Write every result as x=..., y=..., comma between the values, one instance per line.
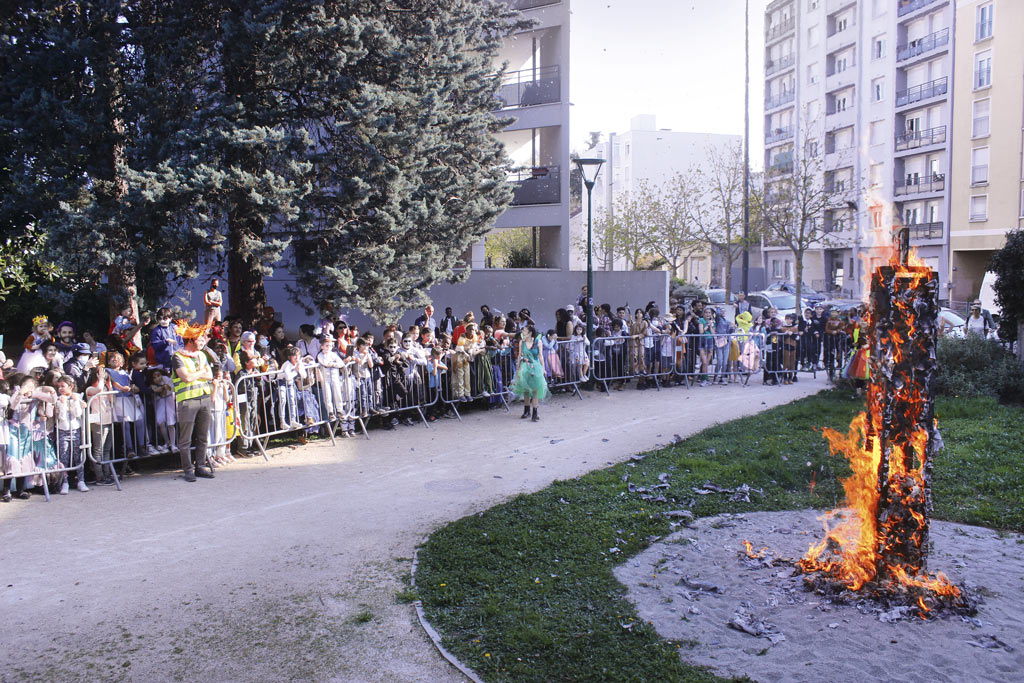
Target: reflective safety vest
x=185, y=390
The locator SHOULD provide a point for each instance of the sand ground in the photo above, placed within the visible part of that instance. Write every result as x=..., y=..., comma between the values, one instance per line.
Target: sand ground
x=289, y=570
x=691, y=584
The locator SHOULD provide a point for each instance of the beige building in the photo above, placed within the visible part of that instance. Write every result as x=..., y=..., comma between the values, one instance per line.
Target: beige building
x=987, y=180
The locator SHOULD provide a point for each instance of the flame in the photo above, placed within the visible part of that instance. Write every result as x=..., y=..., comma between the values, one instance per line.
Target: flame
x=858, y=544
x=750, y=550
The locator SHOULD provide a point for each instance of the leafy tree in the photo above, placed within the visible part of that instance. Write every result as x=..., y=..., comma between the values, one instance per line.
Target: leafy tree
x=671, y=236
x=1008, y=265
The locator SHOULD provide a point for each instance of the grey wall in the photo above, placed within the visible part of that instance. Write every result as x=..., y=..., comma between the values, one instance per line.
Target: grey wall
x=541, y=291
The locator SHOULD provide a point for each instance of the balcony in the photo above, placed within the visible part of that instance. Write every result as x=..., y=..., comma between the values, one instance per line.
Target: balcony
x=781, y=164
x=920, y=138
x=778, y=135
x=779, y=30
x=537, y=185
x=979, y=175
x=837, y=79
x=905, y=7
x=530, y=87
x=916, y=48
x=922, y=92
x=926, y=231
x=779, y=100
x=935, y=182
x=982, y=77
x=773, y=67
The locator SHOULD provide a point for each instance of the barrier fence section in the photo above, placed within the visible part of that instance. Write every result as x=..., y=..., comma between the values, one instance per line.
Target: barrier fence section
x=476, y=374
x=647, y=358
x=719, y=358
x=567, y=364
x=304, y=398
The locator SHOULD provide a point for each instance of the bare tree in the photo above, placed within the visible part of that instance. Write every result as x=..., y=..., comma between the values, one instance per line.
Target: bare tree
x=792, y=205
x=671, y=235
x=717, y=213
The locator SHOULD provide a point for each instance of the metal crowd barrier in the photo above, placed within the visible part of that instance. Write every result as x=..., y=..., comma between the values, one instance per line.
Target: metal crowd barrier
x=648, y=358
x=485, y=375
x=567, y=365
x=720, y=358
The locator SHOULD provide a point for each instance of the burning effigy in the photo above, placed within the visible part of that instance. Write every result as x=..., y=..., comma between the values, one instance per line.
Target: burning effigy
x=876, y=544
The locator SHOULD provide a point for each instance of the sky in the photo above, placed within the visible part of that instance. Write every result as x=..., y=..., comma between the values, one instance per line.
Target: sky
x=681, y=60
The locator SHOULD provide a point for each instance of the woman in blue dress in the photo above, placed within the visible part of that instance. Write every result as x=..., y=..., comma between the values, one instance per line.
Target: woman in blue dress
x=529, y=382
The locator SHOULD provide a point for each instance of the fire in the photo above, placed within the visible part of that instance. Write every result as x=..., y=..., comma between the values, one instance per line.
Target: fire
x=750, y=550
x=880, y=535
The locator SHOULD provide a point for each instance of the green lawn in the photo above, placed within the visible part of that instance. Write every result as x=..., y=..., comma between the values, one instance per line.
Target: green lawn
x=525, y=591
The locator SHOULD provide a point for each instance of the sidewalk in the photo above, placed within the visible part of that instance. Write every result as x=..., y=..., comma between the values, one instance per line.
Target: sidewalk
x=290, y=570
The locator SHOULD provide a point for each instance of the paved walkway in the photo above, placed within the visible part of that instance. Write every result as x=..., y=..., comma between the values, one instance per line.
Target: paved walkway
x=290, y=570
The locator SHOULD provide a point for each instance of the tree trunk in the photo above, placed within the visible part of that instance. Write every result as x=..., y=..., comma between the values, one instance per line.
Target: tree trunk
x=246, y=293
x=1020, y=340
x=798, y=272
x=728, y=271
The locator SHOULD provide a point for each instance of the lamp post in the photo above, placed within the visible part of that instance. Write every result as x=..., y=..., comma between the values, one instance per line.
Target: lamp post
x=589, y=168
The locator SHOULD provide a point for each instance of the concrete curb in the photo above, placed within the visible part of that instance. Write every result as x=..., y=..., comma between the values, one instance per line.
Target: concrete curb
x=435, y=637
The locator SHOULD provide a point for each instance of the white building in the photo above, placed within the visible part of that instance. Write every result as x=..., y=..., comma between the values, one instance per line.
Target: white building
x=862, y=86
x=645, y=153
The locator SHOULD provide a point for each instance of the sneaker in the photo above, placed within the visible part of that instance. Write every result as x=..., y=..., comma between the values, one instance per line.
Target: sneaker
x=485, y=394
x=351, y=432
x=704, y=383
x=205, y=473
x=64, y=488
x=295, y=424
x=6, y=498
x=407, y=421
x=343, y=435
x=82, y=487
x=106, y=481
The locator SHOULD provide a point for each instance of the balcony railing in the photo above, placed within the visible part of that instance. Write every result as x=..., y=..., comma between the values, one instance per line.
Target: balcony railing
x=832, y=111
x=773, y=32
x=537, y=185
x=982, y=77
x=926, y=231
x=530, y=87
x=920, y=138
x=778, y=135
x=847, y=66
x=779, y=100
x=935, y=182
x=532, y=4
x=922, y=45
x=922, y=92
x=983, y=30
x=908, y=6
x=979, y=175
x=980, y=127
x=774, y=66
x=781, y=164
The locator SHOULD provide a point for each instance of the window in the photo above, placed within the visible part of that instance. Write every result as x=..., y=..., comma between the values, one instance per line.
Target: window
x=876, y=218
x=776, y=268
x=878, y=89
x=983, y=69
x=984, y=28
x=979, y=166
x=878, y=47
x=812, y=149
x=913, y=124
x=813, y=4
x=841, y=24
x=933, y=213
x=910, y=216
x=840, y=65
x=875, y=174
x=813, y=36
x=1022, y=203
x=627, y=149
x=876, y=132
x=812, y=73
x=980, y=124
x=979, y=207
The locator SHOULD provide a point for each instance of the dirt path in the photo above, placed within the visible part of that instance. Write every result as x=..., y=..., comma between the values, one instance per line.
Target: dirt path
x=290, y=570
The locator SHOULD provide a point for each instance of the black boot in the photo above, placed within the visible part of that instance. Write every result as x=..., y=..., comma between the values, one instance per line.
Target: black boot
x=526, y=412
x=536, y=418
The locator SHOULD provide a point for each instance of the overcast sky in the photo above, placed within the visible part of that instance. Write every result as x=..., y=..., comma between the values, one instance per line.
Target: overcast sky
x=681, y=60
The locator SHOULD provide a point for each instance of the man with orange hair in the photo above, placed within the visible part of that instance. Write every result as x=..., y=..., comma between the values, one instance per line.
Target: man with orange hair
x=192, y=379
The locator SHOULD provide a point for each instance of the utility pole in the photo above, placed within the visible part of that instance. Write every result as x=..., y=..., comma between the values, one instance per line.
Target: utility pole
x=746, y=154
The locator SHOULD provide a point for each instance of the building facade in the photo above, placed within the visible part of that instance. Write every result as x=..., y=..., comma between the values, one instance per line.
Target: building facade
x=987, y=183
x=863, y=88
x=647, y=154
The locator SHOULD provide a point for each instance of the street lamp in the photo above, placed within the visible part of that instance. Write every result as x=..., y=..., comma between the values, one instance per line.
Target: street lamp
x=589, y=168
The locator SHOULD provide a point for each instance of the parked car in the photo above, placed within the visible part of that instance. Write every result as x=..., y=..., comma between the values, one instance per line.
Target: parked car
x=806, y=293
x=782, y=301
x=717, y=296
x=951, y=324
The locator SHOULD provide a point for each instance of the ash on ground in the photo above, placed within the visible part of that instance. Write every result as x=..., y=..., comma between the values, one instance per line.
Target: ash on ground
x=742, y=615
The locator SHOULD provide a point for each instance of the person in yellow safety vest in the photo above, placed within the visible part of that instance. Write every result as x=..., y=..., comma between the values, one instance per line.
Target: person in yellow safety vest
x=192, y=377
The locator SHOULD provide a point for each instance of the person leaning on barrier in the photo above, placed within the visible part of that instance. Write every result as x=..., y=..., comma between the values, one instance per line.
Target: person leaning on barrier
x=192, y=391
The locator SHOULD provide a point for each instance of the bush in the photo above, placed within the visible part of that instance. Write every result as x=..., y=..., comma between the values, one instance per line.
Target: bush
x=978, y=367
x=685, y=291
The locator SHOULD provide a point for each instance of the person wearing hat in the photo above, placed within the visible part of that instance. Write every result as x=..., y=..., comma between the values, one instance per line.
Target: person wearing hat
x=192, y=379
x=82, y=361
x=248, y=361
x=979, y=321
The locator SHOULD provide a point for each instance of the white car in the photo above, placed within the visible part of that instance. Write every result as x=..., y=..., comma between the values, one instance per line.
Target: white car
x=783, y=302
x=951, y=324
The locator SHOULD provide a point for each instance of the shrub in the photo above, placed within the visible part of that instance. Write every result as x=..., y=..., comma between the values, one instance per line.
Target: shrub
x=686, y=291
x=978, y=367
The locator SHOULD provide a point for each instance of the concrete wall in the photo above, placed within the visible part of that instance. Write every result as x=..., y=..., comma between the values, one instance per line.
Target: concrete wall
x=542, y=291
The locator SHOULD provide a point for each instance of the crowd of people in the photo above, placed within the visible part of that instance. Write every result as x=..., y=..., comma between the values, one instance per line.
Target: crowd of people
x=214, y=391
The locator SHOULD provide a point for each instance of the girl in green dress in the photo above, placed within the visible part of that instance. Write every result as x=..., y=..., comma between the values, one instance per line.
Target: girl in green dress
x=529, y=382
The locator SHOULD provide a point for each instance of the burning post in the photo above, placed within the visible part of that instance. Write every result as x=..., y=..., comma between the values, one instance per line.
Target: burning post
x=878, y=545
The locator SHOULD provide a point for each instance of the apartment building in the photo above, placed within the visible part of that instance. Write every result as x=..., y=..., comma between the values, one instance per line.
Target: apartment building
x=652, y=155
x=987, y=183
x=861, y=89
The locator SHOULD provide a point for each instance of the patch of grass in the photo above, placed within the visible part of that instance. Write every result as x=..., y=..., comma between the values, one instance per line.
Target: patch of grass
x=404, y=597
x=525, y=591
x=363, y=616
